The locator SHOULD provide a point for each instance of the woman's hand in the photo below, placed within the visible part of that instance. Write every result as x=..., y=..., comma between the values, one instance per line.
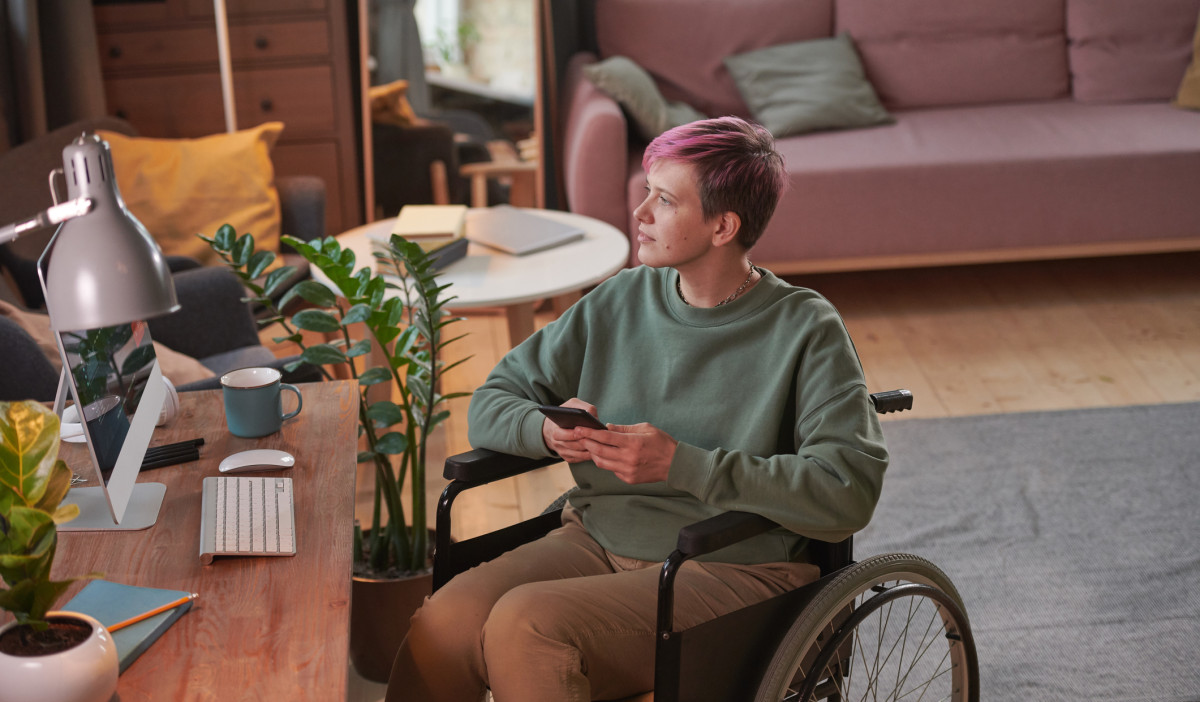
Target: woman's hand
x=567, y=443
x=635, y=453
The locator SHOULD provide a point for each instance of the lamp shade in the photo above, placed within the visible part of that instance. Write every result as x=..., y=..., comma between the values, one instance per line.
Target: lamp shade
x=104, y=268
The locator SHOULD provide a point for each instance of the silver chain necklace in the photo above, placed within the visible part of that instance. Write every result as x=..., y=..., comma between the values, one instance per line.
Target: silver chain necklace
x=741, y=288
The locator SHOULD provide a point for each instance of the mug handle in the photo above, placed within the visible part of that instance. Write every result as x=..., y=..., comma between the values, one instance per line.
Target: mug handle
x=299, y=400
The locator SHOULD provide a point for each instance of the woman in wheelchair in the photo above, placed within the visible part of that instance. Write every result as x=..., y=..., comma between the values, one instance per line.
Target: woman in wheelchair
x=722, y=388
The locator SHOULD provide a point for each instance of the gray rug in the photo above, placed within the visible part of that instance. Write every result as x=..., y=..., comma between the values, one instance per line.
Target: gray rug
x=1073, y=538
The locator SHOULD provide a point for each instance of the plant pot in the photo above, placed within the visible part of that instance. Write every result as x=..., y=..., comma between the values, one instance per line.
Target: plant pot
x=86, y=672
x=379, y=614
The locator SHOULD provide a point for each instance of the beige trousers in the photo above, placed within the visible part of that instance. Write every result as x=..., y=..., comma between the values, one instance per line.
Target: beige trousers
x=562, y=620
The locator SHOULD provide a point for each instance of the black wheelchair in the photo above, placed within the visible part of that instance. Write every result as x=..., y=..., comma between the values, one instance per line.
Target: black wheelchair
x=890, y=627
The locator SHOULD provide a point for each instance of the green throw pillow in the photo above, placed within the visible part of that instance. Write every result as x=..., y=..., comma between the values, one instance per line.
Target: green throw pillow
x=633, y=88
x=806, y=86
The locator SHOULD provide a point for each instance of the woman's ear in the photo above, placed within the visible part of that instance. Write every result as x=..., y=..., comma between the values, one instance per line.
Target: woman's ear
x=728, y=226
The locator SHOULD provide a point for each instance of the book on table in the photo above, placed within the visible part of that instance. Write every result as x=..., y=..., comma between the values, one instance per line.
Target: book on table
x=437, y=229
x=110, y=603
x=431, y=226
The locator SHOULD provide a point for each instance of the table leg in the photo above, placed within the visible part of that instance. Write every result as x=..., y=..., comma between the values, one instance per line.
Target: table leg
x=520, y=322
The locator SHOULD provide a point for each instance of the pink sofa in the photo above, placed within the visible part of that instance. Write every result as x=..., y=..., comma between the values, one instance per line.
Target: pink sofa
x=1023, y=128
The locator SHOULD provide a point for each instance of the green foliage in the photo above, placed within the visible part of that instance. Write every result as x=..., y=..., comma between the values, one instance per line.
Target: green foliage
x=404, y=319
x=32, y=484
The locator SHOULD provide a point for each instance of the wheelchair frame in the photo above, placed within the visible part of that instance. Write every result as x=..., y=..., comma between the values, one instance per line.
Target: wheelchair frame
x=695, y=664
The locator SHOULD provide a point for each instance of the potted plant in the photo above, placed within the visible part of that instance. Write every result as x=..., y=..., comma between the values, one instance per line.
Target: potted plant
x=44, y=655
x=407, y=332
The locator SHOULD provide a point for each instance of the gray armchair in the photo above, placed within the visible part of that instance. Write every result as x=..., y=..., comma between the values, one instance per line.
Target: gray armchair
x=214, y=325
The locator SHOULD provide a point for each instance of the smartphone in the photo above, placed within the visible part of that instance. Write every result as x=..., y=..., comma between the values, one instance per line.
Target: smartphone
x=571, y=417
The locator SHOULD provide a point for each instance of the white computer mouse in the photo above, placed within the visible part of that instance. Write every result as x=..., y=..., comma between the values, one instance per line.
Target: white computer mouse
x=256, y=460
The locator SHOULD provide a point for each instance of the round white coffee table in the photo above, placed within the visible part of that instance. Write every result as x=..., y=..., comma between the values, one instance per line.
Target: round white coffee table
x=489, y=278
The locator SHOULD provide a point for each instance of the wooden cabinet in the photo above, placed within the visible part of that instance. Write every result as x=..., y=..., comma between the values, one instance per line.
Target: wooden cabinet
x=293, y=61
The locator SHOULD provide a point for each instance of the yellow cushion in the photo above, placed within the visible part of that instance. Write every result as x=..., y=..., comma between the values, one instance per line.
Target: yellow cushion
x=1189, y=89
x=179, y=188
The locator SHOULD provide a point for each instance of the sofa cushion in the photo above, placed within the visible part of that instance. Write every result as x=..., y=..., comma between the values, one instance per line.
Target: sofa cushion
x=950, y=52
x=178, y=188
x=806, y=86
x=1013, y=176
x=685, y=56
x=1189, y=89
x=629, y=84
x=1122, y=50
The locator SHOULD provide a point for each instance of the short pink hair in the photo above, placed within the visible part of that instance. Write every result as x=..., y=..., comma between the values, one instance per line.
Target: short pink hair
x=737, y=169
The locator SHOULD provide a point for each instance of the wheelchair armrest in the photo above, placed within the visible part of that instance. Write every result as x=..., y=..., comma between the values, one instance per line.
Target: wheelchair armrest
x=892, y=401
x=481, y=466
x=720, y=531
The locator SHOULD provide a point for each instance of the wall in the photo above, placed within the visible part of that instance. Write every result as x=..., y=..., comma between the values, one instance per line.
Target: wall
x=504, y=56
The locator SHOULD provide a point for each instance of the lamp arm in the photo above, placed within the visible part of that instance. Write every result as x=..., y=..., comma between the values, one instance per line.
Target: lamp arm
x=50, y=216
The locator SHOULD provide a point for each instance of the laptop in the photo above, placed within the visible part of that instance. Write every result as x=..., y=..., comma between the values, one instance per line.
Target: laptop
x=518, y=231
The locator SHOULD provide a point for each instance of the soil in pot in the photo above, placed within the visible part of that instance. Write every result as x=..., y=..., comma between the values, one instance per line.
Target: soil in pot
x=62, y=633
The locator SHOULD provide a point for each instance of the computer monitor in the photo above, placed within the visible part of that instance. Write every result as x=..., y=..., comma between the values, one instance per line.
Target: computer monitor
x=118, y=389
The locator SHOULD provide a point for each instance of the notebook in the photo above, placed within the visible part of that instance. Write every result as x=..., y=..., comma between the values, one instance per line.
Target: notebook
x=518, y=231
x=110, y=603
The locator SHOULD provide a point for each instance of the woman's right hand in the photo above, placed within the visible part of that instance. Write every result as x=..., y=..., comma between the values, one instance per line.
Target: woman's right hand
x=565, y=442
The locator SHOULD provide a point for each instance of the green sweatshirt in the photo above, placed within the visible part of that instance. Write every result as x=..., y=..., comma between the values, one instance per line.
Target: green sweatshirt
x=765, y=395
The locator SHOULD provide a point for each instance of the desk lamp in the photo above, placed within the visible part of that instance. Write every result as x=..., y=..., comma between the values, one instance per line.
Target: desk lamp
x=103, y=269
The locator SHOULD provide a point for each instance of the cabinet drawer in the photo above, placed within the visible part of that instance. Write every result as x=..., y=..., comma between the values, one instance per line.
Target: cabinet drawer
x=193, y=47
x=189, y=105
x=238, y=8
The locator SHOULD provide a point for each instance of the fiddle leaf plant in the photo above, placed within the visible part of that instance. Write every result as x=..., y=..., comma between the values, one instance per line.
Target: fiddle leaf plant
x=33, y=483
x=398, y=318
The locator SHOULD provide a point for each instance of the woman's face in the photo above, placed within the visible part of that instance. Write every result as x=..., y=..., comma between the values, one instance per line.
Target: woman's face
x=672, y=230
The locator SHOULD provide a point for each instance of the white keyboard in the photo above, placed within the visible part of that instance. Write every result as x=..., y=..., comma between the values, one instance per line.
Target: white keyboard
x=247, y=516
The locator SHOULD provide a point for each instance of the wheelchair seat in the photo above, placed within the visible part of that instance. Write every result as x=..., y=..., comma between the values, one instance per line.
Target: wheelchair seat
x=889, y=627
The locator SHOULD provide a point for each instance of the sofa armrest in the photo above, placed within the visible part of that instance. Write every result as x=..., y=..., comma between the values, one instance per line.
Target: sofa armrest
x=595, y=152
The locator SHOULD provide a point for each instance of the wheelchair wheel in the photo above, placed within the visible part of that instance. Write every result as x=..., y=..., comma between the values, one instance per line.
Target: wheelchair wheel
x=890, y=627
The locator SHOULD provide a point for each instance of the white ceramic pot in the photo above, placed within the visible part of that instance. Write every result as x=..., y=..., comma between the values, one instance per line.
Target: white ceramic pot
x=85, y=673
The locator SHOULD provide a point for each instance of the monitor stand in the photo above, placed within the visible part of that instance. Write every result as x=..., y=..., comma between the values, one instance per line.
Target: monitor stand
x=95, y=514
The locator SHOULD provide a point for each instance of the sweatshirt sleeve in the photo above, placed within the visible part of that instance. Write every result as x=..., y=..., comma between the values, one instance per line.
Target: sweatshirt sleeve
x=828, y=486
x=827, y=490
x=543, y=370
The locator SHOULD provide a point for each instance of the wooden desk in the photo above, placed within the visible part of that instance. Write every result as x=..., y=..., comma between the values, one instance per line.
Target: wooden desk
x=263, y=628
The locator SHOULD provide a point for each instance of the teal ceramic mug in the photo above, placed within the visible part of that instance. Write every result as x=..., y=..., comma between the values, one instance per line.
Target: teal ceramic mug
x=254, y=401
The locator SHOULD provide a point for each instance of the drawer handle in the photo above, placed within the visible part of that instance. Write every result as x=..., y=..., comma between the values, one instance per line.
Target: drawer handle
x=121, y=113
x=266, y=105
x=261, y=42
x=114, y=51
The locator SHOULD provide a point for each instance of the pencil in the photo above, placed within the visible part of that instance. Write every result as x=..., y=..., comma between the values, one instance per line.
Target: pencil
x=157, y=610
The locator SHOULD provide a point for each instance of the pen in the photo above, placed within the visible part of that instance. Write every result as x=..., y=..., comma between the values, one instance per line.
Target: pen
x=170, y=459
x=157, y=610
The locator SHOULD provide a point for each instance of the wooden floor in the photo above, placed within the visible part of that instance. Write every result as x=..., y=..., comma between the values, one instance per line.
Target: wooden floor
x=966, y=340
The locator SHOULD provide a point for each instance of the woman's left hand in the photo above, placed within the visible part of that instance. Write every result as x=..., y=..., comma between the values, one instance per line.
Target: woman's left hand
x=635, y=453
